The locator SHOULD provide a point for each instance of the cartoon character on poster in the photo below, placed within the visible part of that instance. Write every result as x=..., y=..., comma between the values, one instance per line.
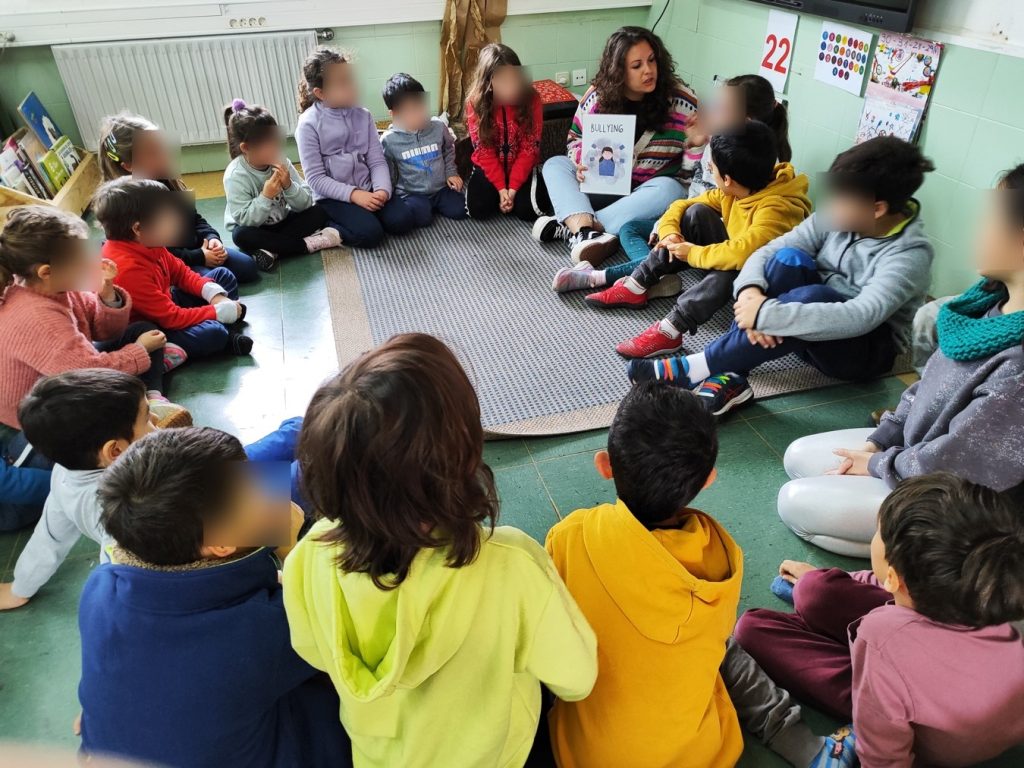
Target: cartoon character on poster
x=608, y=154
x=905, y=67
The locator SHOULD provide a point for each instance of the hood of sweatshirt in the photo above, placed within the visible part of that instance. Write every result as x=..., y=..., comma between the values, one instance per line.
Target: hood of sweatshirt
x=389, y=639
x=788, y=186
x=670, y=582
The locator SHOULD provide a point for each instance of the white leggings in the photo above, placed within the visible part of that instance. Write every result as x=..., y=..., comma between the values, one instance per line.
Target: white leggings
x=835, y=512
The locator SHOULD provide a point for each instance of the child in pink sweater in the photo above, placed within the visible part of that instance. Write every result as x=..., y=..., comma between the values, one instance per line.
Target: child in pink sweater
x=61, y=311
x=920, y=651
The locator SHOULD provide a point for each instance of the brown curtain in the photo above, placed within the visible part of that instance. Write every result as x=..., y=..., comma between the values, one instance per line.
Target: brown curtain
x=468, y=26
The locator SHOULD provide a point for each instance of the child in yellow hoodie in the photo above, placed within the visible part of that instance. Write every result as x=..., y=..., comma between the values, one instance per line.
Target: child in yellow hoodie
x=436, y=628
x=755, y=201
x=660, y=584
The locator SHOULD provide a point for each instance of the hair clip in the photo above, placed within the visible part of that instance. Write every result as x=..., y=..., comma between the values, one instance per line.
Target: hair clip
x=111, y=150
x=237, y=105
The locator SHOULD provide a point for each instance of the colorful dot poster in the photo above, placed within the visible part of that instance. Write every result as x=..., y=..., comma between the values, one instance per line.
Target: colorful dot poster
x=844, y=54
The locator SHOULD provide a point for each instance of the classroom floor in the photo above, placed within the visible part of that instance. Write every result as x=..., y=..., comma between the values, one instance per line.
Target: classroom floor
x=539, y=480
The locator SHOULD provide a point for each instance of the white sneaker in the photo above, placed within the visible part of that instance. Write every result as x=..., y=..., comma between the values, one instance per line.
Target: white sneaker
x=576, y=278
x=547, y=228
x=322, y=239
x=593, y=246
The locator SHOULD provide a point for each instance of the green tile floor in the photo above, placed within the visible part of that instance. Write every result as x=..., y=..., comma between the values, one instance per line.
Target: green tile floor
x=539, y=480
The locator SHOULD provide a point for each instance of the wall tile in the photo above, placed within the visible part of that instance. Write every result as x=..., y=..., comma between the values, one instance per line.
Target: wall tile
x=994, y=148
x=1002, y=102
x=946, y=137
x=963, y=78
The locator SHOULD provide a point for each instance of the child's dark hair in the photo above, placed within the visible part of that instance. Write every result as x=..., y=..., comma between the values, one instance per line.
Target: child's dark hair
x=34, y=235
x=250, y=124
x=392, y=450
x=883, y=169
x=400, y=87
x=313, y=69
x=160, y=494
x=481, y=95
x=1012, y=181
x=69, y=417
x=747, y=154
x=759, y=104
x=122, y=203
x=663, y=445
x=958, y=547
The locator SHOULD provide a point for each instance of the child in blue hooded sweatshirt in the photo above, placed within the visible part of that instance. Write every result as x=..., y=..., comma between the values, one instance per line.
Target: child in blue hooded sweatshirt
x=186, y=659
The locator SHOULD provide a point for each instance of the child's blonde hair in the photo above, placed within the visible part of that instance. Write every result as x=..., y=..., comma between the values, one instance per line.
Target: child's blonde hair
x=313, y=69
x=117, y=137
x=34, y=235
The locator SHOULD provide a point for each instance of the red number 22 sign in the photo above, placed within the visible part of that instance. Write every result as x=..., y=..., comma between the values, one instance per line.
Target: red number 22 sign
x=778, y=48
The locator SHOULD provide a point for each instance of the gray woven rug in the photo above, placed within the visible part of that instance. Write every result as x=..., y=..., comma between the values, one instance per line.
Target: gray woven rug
x=543, y=363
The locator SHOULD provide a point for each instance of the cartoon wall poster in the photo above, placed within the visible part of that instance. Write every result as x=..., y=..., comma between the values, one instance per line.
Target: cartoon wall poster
x=608, y=153
x=887, y=118
x=904, y=69
x=843, y=56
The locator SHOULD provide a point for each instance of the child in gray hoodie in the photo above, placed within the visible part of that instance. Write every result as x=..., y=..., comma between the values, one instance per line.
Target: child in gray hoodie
x=420, y=151
x=840, y=290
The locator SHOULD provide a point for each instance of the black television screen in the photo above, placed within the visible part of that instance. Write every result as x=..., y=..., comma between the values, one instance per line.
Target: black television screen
x=897, y=15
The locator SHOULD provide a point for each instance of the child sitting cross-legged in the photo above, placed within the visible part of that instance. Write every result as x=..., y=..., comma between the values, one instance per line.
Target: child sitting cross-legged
x=436, y=627
x=421, y=153
x=270, y=208
x=82, y=420
x=920, y=651
x=186, y=659
x=840, y=290
x=139, y=217
x=755, y=201
x=660, y=583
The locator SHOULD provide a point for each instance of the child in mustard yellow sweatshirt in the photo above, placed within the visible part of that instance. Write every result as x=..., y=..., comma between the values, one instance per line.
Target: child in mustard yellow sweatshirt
x=660, y=583
x=436, y=628
x=755, y=201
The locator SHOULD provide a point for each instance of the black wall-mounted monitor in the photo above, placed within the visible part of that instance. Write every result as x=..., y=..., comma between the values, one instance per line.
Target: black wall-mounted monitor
x=896, y=15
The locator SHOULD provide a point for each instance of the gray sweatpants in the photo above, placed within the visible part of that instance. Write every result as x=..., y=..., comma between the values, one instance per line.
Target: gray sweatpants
x=767, y=711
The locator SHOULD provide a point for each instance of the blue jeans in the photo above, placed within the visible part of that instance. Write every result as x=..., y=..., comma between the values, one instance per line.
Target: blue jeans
x=647, y=201
x=23, y=488
x=238, y=264
x=447, y=202
x=278, y=449
x=365, y=229
x=208, y=337
x=633, y=237
x=793, y=277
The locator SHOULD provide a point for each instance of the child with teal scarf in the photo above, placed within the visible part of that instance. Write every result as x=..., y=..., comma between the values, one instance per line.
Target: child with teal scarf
x=965, y=415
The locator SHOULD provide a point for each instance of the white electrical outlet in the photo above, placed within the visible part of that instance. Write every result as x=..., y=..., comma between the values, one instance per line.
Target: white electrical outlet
x=562, y=78
x=579, y=77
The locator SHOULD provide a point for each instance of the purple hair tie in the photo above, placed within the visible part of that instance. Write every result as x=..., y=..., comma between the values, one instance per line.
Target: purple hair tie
x=237, y=105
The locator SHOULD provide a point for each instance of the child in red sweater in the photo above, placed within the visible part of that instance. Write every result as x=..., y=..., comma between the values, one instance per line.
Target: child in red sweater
x=55, y=289
x=138, y=215
x=505, y=117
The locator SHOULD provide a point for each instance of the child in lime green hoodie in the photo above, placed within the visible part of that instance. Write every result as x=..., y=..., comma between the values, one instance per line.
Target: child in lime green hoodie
x=436, y=628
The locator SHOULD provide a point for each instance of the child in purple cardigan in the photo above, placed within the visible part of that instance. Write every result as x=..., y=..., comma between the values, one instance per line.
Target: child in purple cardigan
x=341, y=154
x=920, y=651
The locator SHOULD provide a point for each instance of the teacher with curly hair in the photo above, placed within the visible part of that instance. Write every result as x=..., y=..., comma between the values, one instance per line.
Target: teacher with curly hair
x=636, y=76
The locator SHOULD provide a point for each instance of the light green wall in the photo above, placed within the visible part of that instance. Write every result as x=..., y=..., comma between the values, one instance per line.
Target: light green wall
x=548, y=43
x=974, y=129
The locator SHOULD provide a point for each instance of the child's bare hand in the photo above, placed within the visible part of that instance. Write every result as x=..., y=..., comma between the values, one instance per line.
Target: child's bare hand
x=213, y=257
x=108, y=271
x=366, y=200
x=272, y=186
x=668, y=240
x=381, y=195
x=76, y=725
x=151, y=341
x=679, y=251
x=284, y=178
x=853, y=463
x=793, y=570
x=747, y=305
x=756, y=338
x=505, y=200
x=870, y=447
x=581, y=172
x=8, y=600
x=455, y=182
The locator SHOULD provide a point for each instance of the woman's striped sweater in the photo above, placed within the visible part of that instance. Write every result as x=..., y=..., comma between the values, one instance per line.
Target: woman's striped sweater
x=666, y=154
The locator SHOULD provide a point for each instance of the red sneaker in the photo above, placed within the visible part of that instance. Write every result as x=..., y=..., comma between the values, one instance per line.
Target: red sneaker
x=617, y=296
x=651, y=343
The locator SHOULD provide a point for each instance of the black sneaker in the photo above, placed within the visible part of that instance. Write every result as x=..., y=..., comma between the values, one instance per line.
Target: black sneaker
x=593, y=246
x=547, y=228
x=239, y=344
x=723, y=392
x=265, y=260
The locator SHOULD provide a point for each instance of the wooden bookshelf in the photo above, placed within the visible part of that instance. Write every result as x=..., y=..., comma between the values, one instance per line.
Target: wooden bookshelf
x=73, y=197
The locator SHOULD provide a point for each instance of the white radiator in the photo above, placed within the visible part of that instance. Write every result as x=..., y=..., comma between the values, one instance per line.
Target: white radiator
x=183, y=84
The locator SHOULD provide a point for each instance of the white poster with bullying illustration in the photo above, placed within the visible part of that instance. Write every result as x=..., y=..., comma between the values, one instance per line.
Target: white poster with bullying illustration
x=608, y=154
